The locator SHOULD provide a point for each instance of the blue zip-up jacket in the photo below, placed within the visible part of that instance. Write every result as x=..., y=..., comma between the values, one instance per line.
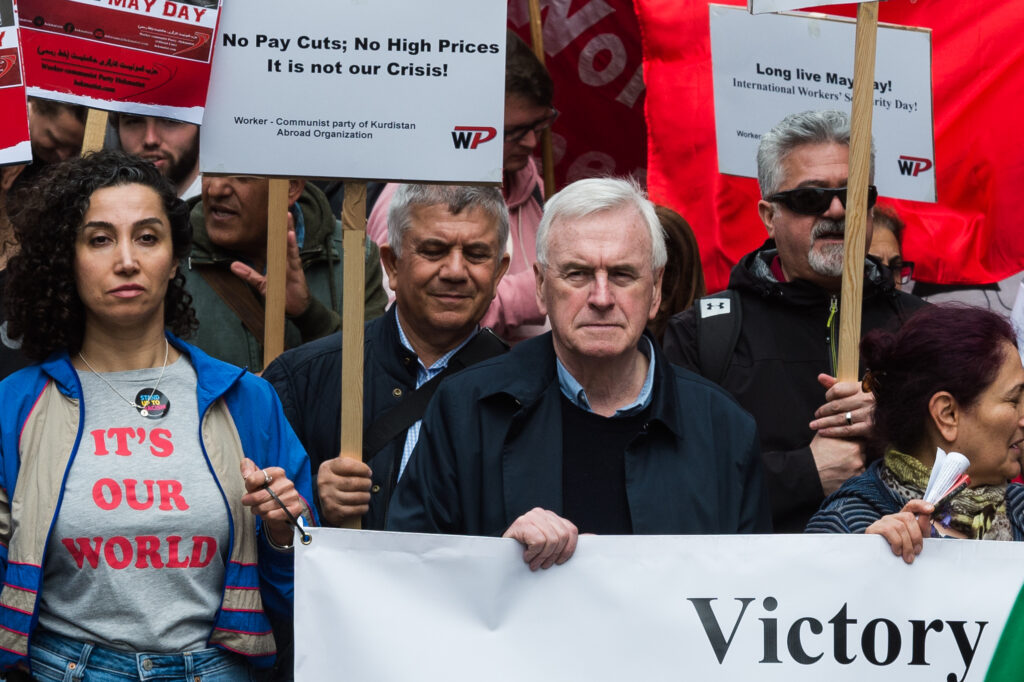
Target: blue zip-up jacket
x=40, y=432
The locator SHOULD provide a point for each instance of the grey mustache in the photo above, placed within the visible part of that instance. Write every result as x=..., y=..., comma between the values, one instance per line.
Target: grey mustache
x=823, y=227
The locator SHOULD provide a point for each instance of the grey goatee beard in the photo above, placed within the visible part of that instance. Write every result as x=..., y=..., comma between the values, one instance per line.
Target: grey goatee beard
x=827, y=259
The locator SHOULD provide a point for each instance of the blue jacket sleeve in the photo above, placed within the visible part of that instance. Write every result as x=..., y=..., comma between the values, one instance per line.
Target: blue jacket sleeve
x=269, y=441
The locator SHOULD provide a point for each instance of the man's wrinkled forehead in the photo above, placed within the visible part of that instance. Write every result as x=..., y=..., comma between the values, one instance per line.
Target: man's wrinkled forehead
x=569, y=235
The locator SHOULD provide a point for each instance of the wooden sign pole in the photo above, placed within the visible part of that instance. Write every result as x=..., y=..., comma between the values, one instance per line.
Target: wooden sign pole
x=277, y=269
x=857, y=192
x=353, y=222
x=547, y=151
x=95, y=131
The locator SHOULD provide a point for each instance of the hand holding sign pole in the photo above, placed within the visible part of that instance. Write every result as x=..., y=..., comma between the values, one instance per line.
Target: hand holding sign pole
x=857, y=191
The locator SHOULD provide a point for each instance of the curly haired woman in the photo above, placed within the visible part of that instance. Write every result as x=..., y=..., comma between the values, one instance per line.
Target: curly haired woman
x=145, y=488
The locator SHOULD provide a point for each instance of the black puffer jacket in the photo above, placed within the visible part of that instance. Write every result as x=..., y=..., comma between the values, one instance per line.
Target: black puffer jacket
x=784, y=343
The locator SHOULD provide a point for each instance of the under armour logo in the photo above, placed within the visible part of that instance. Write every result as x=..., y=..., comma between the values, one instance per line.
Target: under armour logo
x=716, y=306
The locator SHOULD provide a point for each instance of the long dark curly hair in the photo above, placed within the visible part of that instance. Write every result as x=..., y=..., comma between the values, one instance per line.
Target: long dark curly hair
x=41, y=299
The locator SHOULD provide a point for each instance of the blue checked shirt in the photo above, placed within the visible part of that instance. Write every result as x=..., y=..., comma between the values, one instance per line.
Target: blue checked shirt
x=423, y=375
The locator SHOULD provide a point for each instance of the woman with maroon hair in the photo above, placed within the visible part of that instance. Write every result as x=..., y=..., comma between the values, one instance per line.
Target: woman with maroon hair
x=951, y=378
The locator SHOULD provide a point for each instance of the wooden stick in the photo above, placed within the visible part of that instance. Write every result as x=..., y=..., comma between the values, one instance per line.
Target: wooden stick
x=277, y=269
x=353, y=222
x=95, y=131
x=547, y=151
x=857, y=191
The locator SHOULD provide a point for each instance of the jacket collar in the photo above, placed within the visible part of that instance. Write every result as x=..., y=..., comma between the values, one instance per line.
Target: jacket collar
x=754, y=273
x=382, y=333
x=533, y=372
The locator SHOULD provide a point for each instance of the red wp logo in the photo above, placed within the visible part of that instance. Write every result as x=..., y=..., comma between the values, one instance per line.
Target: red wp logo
x=913, y=165
x=470, y=137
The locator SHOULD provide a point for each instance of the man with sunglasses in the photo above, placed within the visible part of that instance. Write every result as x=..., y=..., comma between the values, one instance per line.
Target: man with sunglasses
x=514, y=314
x=772, y=338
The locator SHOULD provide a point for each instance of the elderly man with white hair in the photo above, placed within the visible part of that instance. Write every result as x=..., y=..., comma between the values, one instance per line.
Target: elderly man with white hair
x=586, y=429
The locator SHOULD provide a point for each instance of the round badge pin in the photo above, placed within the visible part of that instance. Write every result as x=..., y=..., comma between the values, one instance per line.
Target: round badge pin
x=152, y=404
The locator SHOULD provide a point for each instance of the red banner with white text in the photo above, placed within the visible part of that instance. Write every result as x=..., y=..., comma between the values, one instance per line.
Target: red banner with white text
x=140, y=56
x=971, y=235
x=593, y=52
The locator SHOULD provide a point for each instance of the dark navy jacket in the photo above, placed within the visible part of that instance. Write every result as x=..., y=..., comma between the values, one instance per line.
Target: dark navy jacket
x=308, y=380
x=491, y=449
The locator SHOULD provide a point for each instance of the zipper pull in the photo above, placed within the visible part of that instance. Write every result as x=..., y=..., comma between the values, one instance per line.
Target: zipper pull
x=832, y=307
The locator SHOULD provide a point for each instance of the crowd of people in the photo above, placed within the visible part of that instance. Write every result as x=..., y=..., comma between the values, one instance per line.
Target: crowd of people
x=544, y=368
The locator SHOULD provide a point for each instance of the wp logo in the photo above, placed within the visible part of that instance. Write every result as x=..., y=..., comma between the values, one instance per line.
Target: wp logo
x=913, y=165
x=471, y=137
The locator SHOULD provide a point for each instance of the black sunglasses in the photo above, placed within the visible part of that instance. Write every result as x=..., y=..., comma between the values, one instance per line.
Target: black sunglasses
x=816, y=200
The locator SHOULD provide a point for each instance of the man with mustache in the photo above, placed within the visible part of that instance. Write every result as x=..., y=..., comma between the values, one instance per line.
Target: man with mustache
x=172, y=146
x=225, y=271
x=772, y=338
x=444, y=259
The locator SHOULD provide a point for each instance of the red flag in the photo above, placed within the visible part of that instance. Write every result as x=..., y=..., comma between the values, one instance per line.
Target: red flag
x=592, y=50
x=972, y=235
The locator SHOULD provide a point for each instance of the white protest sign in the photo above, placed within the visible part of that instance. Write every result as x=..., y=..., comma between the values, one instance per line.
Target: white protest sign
x=769, y=66
x=763, y=6
x=389, y=89
x=393, y=606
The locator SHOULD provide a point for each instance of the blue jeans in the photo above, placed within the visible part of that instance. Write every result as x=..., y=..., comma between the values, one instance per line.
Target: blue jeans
x=59, y=659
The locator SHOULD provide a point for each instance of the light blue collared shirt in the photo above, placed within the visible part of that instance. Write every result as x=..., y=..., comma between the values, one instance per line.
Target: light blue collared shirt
x=573, y=390
x=423, y=375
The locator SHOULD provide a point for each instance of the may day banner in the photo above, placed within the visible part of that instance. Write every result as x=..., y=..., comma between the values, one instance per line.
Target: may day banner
x=14, y=143
x=353, y=89
x=970, y=235
x=653, y=608
x=136, y=56
x=592, y=51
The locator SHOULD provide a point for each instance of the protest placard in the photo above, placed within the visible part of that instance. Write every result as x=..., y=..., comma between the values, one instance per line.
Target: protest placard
x=381, y=90
x=709, y=608
x=766, y=67
x=763, y=6
x=148, y=57
x=14, y=143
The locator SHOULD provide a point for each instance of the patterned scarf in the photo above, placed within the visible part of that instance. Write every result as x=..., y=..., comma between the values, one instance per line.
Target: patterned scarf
x=979, y=513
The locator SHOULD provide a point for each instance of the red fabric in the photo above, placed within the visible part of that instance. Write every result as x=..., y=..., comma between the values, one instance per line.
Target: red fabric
x=972, y=235
x=593, y=54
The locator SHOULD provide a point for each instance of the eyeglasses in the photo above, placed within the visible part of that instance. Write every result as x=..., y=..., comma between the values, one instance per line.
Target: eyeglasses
x=902, y=270
x=816, y=200
x=537, y=127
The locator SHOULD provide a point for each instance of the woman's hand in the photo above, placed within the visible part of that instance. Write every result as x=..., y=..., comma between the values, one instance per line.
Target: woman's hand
x=266, y=507
x=906, y=529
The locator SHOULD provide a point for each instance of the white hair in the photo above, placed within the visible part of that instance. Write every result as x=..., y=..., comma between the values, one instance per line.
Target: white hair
x=594, y=195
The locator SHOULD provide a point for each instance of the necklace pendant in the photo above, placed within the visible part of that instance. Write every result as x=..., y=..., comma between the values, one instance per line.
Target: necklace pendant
x=152, y=404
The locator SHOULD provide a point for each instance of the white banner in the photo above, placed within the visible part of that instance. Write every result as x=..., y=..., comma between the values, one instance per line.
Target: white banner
x=391, y=606
x=766, y=67
x=388, y=89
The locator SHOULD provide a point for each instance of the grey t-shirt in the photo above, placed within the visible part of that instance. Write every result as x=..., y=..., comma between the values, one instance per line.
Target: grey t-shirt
x=136, y=558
